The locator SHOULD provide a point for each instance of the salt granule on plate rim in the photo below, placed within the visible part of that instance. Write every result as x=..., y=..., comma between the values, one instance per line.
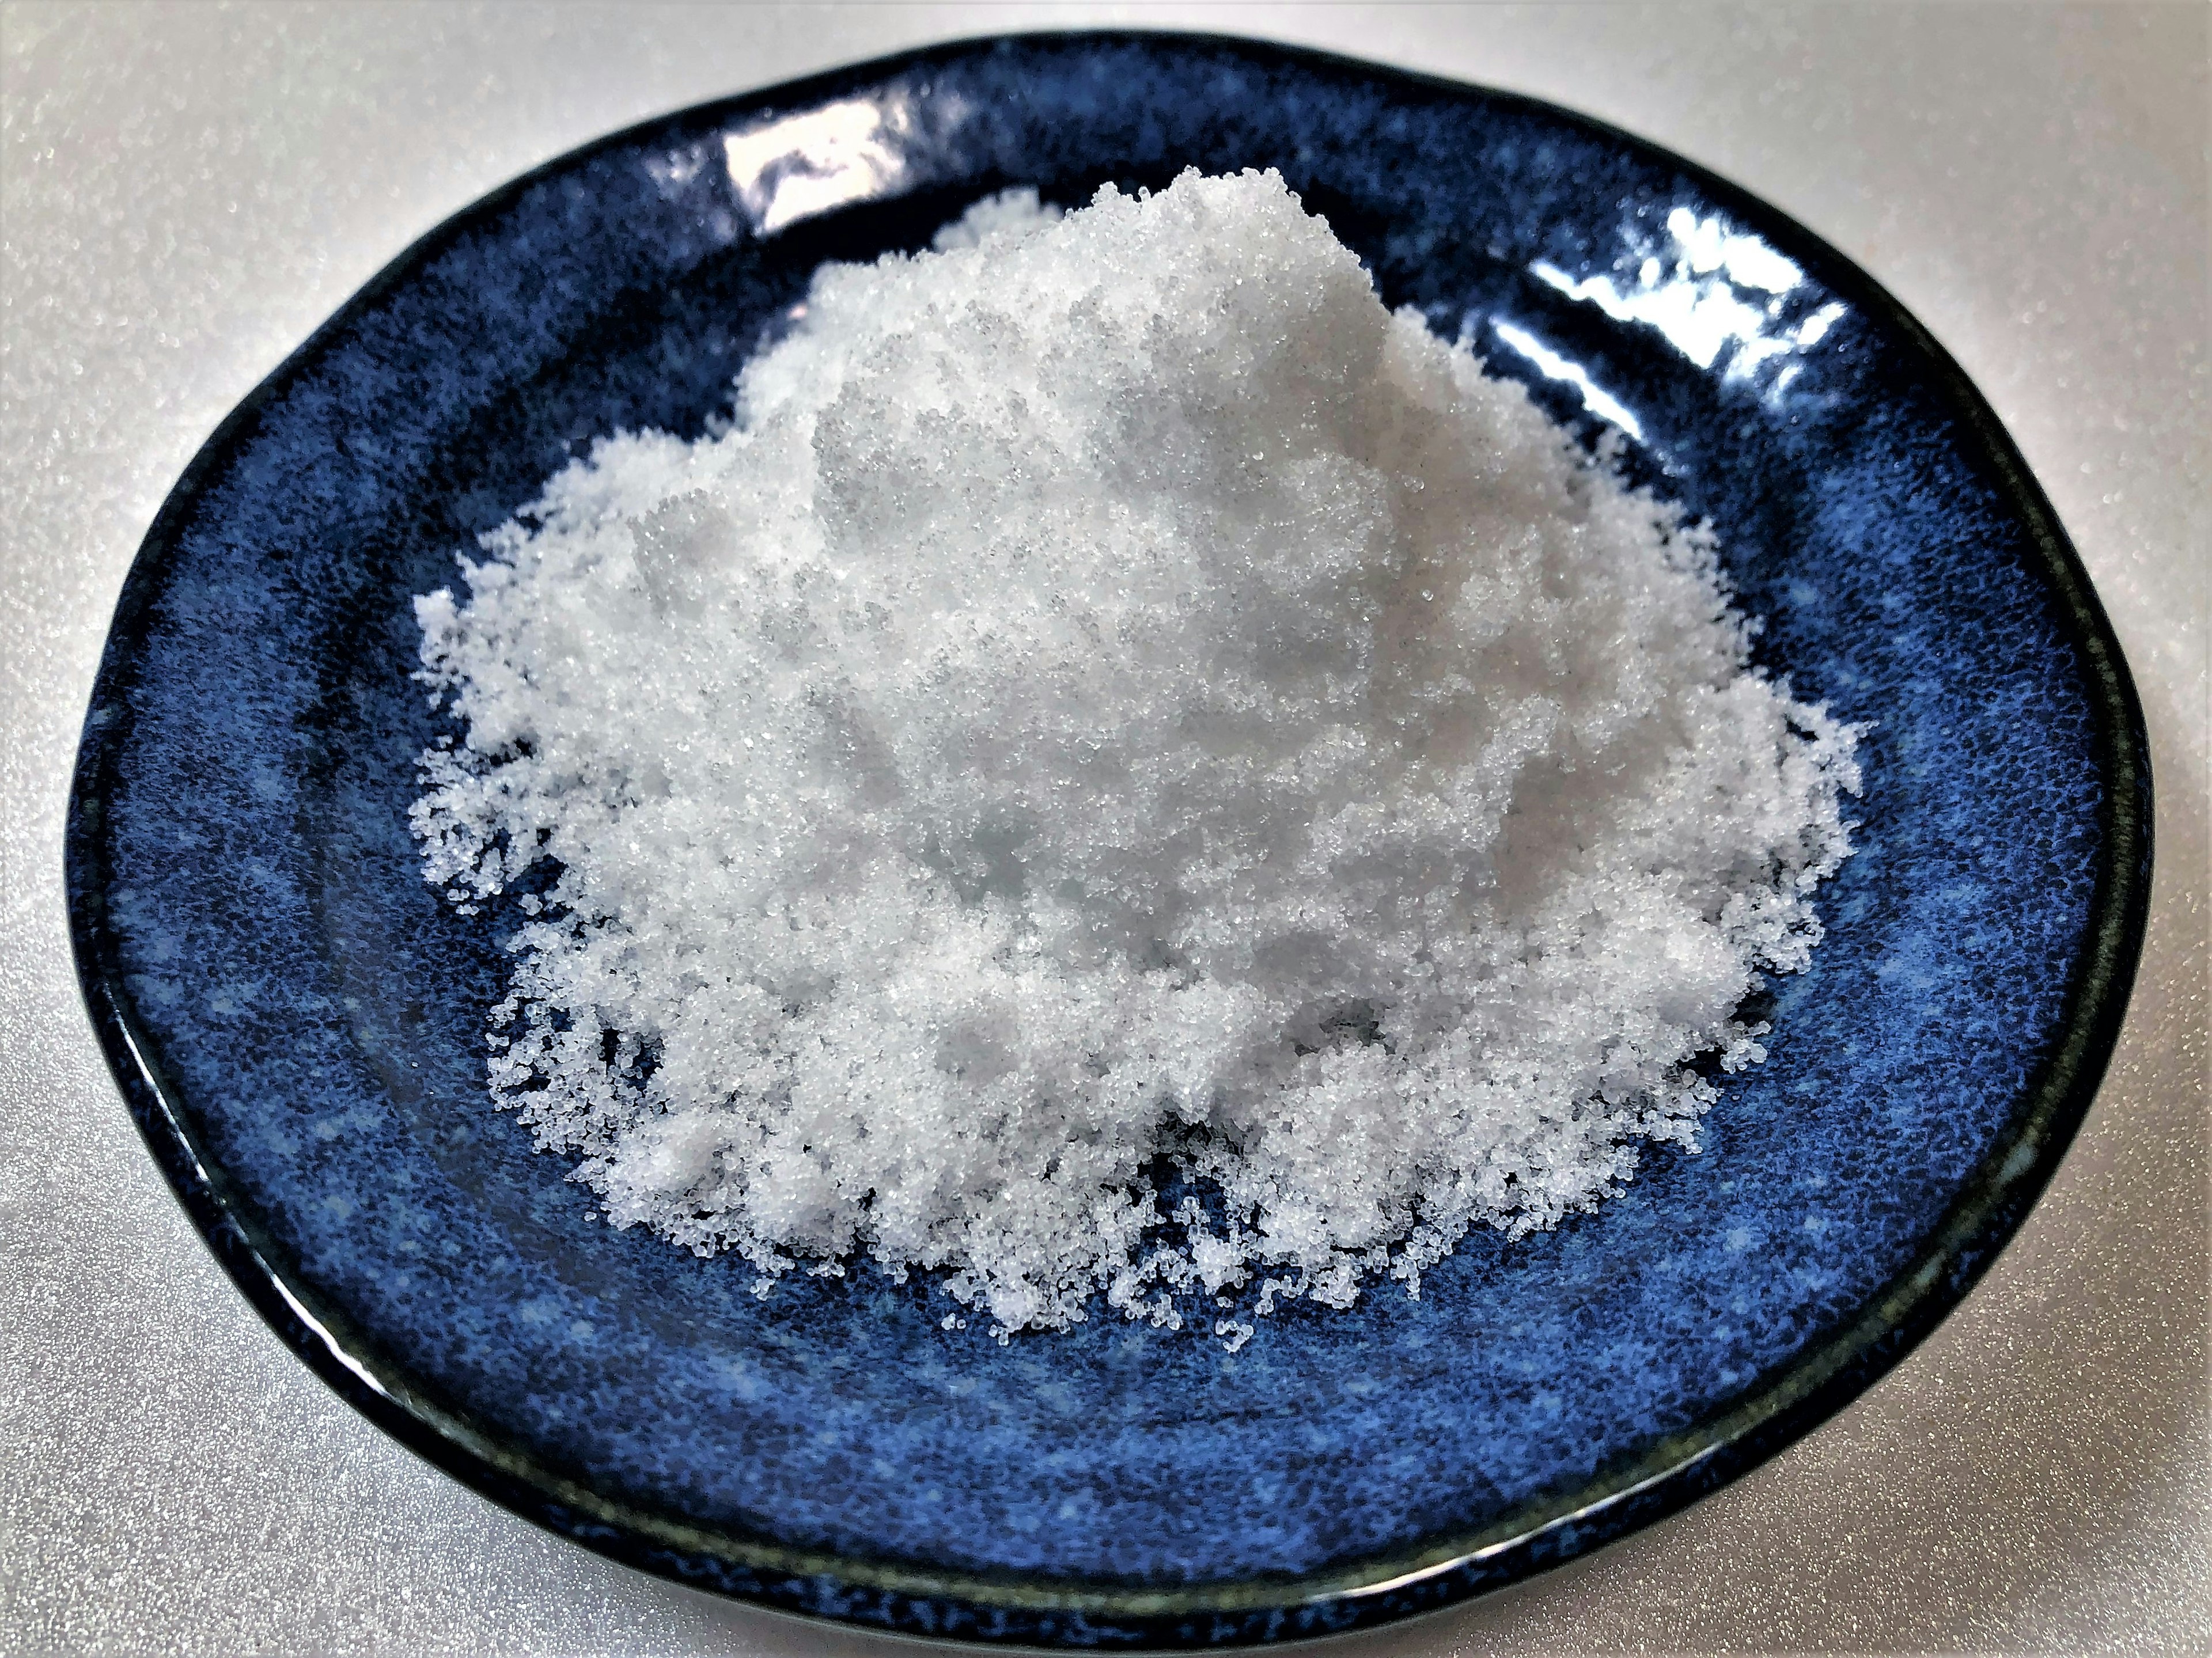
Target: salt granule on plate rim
x=1115, y=698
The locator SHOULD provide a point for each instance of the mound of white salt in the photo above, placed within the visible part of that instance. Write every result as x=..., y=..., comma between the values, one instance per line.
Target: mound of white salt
x=1116, y=691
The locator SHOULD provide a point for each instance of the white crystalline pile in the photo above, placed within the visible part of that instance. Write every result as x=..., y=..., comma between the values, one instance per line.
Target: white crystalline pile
x=1115, y=691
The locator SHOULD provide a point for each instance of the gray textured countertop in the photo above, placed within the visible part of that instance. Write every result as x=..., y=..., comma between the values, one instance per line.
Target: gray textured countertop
x=189, y=189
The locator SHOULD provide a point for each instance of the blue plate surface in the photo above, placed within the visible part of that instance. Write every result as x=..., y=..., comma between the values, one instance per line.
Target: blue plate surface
x=297, y=1021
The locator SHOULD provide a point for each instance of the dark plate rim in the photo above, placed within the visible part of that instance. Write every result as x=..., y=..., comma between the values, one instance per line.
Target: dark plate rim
x=918, y=1599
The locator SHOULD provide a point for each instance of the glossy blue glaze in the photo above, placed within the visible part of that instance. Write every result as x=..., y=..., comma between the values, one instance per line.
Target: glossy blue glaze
x=298, y=1020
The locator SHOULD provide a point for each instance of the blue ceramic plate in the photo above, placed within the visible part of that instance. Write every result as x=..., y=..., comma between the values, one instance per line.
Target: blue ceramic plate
x=297, y=1021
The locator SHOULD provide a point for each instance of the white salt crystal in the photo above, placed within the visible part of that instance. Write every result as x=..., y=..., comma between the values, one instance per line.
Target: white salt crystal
x=1116, y=690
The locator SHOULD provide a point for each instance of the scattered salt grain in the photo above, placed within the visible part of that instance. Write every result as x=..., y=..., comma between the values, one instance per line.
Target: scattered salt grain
x=1117, y=700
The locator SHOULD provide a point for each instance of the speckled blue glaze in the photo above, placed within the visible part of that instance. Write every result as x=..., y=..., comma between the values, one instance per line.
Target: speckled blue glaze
x=297, y=1021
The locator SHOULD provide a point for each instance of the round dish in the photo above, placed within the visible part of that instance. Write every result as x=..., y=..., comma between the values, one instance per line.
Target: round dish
x=296, y=1020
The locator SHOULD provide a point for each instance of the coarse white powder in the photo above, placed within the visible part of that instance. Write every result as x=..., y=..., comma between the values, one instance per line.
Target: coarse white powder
x=1118, y=699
